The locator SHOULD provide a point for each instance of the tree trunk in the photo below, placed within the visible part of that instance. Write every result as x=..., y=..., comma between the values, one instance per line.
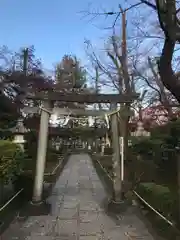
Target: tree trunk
x=168, y=77
x=178, y=176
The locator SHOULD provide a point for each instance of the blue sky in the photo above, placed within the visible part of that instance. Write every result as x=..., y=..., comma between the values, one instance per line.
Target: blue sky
x=54, y=27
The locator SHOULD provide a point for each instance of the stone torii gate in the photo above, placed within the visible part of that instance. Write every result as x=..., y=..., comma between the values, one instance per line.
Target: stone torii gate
x=46, y=110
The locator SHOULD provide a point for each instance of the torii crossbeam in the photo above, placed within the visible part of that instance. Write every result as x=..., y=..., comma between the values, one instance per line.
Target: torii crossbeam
x=84, y=98
x=69, y=112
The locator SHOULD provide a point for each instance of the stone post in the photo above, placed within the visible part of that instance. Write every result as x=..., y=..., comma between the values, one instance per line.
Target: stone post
x=86, y=144
x=89, y=144
x=102, y=146
x=121, y=141
x=41, y=153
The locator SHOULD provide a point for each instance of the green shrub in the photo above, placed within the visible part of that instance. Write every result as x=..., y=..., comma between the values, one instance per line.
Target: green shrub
x=11, y=160
x=160, y=198
x=147, y=147
x=161, y=147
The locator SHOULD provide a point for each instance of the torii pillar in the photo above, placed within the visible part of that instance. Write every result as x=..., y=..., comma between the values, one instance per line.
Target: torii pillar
x=41, y=153
x=116, y=158
x=115, y=203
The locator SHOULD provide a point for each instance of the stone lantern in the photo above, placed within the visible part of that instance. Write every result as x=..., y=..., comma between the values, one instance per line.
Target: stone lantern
x=19, y=130
x=58, y=143
x=140, y=131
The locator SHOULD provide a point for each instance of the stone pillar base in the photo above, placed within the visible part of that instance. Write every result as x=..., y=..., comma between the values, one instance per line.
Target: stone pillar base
x=36, y=209
x=116, y=207
x=36, y=203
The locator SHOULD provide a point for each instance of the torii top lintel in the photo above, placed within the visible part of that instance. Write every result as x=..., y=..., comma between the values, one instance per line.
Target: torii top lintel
x=84, y=98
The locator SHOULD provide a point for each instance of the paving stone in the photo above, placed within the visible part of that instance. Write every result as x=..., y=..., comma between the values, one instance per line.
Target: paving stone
x=92, y=237
x=69, y=198
x=66, y=237
x=40, y=225
x=90, y=206
x=90, y=228
x=66, y=227
x=116, y=235
x=39, y=238
x=106, y=221
x=70, y=204
x=87, y=216
x=87, y=194
x=83, y=178
x=55, y=209
x=72, y=191
x=100, y=197
x=85, y=185
x=94, y=177
x=68, y=213
x=97, y=184
x=58, y=191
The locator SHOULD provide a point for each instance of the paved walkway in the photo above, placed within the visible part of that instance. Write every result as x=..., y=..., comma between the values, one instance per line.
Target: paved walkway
x=77, y=211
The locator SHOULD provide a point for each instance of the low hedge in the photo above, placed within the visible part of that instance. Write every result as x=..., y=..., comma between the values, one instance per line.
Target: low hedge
x=51, y=157
x=160, y=198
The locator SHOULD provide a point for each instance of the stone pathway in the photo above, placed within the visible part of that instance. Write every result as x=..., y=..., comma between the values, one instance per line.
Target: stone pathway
x=77, y=211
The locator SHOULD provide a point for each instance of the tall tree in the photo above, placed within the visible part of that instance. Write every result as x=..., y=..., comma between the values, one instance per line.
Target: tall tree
x=70, y=74
x=169, y=22
x=22, y=74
